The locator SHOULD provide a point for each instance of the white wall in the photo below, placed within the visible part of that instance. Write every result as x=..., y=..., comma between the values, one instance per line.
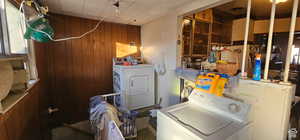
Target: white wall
x=159, y=39
x=159, y=48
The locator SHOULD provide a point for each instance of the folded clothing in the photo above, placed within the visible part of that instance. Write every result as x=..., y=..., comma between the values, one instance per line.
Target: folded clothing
x=101, y=113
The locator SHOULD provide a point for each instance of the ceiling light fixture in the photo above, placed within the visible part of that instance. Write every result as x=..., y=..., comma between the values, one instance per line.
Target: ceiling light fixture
x=186, y=21
x=278, y=1
x=117, y=6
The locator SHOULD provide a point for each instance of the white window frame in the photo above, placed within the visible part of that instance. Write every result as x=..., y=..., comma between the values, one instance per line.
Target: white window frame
x=5, y=49
x=5, y=44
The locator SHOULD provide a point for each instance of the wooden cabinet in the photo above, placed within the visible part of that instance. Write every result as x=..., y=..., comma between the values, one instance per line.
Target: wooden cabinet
x=22, y=121
x=200, y=38
x=206, y=15
x=203, y=30
x=187, y=36
x=238, y=30
x=3, y=131
x=280, y=25
x=195, y=35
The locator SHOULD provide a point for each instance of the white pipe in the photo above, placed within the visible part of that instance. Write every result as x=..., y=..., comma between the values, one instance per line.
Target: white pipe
x=269, y=47
x=291, y=41
x=246, y=38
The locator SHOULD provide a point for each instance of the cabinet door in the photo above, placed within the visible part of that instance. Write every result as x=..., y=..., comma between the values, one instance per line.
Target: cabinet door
x=3, y=131
x=187, y=36
x=200, y=38
x=139, y=84
x=140, y=89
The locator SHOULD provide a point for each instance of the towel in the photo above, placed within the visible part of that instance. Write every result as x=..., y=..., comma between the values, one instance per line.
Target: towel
x=101, y=113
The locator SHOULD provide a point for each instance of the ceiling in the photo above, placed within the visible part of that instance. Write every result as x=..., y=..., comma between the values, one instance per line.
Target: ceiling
x=261, y=9
x=135, y=12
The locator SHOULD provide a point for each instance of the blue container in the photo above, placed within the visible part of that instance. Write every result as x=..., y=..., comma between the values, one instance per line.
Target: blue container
x=257, y=69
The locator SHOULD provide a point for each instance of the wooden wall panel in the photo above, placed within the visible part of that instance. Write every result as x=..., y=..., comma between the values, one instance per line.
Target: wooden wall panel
x=41, y=54
x=82, y=68
x=22, y=122
x=27, y=120
x=3, y=131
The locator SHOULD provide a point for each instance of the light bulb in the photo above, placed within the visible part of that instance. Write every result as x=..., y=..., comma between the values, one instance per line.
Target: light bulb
x=117, y=12
x=186, y=21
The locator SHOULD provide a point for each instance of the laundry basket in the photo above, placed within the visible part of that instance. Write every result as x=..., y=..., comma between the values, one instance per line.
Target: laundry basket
x=105, y=105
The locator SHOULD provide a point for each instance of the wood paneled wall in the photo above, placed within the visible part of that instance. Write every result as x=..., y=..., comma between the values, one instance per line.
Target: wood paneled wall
x=22, y=122
x=82, y=68
x=27, y=120
x=44, y=97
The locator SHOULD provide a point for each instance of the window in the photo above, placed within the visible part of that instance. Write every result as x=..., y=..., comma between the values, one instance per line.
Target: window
x=18, y=45
x=4, y=45
x=295, y=59
x=12, y=41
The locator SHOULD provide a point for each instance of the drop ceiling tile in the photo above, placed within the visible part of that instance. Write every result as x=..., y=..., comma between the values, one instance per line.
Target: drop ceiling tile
x=54, y=5
x=75, y=6
x=140, y=10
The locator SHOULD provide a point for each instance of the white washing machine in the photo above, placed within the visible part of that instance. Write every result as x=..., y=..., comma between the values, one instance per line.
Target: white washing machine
x=136, y=85
x=205, y=117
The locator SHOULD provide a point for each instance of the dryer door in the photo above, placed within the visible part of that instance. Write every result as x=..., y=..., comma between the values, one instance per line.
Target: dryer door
x=139, y=95
x=139, y=84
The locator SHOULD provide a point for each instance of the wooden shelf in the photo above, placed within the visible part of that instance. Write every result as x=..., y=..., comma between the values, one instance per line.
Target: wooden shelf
x=199, y=55
x=217, y=22
x=206, y=31
x=216, y=34
x=14, y=97
x=205, y=34
x=13, y=57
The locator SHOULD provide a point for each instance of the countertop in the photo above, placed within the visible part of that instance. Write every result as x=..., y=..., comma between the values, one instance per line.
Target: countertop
x=13, y=98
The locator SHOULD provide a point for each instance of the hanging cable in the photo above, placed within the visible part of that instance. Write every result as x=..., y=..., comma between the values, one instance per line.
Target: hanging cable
x=21, y=9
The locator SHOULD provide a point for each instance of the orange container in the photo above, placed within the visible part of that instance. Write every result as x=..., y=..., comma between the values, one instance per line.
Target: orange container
x=211, y=83
x=220, y=86
x=207, y=83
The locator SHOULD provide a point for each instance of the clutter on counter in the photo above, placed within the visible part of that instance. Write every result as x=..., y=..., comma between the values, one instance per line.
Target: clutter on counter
x=212, y=83
x=128, y=61
x=187, y=73
x=257, y=68
x=224, y=82
x=14, y=81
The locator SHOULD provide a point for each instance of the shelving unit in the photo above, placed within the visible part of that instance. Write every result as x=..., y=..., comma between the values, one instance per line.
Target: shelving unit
x=187, y=36
x=20, y=81
x=202, y=31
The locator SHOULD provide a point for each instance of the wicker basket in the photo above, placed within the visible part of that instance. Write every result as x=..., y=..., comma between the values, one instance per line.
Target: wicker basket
x=230, y=68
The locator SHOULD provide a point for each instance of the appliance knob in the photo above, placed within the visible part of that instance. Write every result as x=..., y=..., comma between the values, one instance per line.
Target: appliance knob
x=234, y=108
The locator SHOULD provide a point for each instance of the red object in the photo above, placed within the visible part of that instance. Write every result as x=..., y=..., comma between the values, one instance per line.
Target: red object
x=126, y=63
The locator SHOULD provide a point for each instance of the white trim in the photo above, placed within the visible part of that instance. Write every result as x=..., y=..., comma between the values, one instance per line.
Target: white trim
x=4, y=28
x=269, y=47
x=33, y=73
x=291, y=41
x=246, y=38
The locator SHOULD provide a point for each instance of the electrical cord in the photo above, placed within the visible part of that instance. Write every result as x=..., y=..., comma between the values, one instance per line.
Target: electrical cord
x=69, y=38
x=21, y=9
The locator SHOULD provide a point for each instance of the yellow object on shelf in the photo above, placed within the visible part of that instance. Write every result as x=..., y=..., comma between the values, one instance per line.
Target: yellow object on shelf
x=211, y=83
x=220, y=86
x=207, y=83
